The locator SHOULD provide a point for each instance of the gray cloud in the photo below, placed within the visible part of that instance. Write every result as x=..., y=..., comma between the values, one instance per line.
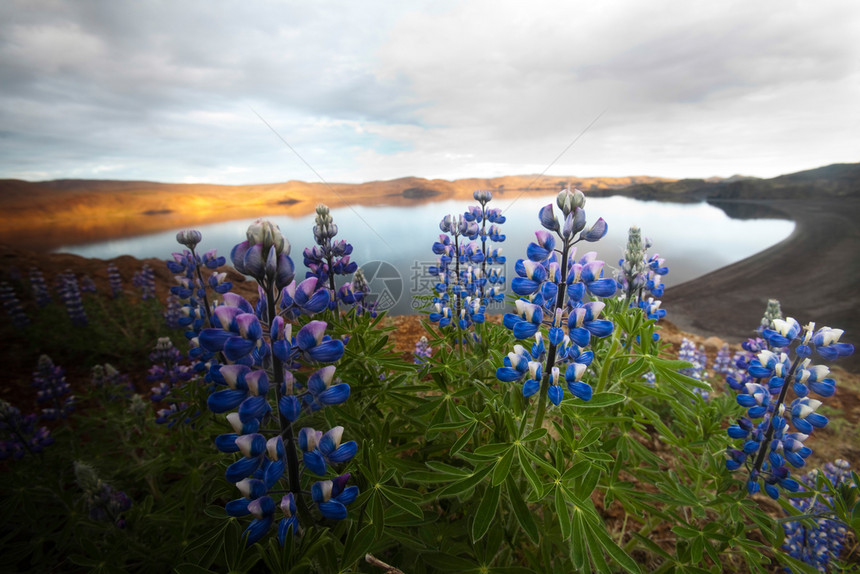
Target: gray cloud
x=163, y=90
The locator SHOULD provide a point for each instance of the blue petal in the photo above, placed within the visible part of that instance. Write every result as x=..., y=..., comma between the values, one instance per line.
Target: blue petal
x=580, y=390
x=555, y=394
x=333, y=510
x=226, y=442
x=530, y=387
x=315, y=462
x=223, y=401
x=603, y=287
x=258, y=528
x=523, y=286
x=524, y=330
x=599, y=328
x=344, y=452
x=290, y=407
x=507, y=374
x=242, y=468
x=238, y=507
x=253, y=408
x=334, y=395
x=236, y=347
x=580, y=336
x=327, y=351
x=213, y=339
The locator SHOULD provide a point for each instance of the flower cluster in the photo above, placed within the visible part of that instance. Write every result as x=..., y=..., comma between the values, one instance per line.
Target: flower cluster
x=329, y=258
x=188, y=303
x=560, y=293
x=466, y=279
x=70, y=295
x=145, y=281
x=818, y=546
x=40, y=288
x=114, y=280
x=638, y=271
x=88, y=285
x=772, y=312
x=13, y=306
x=422, y=351
x=695, y=355
x=259, y=354
x=168, y=370
x=21, y=435
x=103, y=502
x=777, y=440
x=52, y=389
x=110, y=383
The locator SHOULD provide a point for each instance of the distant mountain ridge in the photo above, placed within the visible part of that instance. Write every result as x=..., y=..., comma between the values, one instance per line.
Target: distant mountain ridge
x=44, y=215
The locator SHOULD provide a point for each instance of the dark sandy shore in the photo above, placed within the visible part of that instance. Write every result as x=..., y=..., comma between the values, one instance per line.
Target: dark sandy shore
x=815, y=274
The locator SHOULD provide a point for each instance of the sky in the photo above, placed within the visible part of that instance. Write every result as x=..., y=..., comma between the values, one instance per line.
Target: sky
x=266, y=91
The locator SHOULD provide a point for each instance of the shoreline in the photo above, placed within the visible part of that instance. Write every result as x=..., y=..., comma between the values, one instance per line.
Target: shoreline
x=814, y=273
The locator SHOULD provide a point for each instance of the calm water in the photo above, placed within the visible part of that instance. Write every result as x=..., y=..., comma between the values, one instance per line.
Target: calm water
x=394, y=243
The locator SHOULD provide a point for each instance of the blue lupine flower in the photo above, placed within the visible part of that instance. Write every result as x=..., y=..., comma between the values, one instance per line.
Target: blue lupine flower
x=13, y=306
x=70, y=295
x=21, y=436
x=145, y=281
x=290, y=520
x=53, y=390
x=333, y=496
x=770, y=445
x=560, y=294
x=319, y=448
x=329, y=258
x=103, y=501
x=111, y=383
x=422, y=352
x=821, y=544
x=40, y=289
x=168, y=369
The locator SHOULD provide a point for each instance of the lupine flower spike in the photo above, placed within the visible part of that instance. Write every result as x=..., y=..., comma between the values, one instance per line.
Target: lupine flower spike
x=261, y=352
x=775, y=442
x=53, y=390
x=329, y=258
x=13, y=306
x=20, y=434
x=559, y=304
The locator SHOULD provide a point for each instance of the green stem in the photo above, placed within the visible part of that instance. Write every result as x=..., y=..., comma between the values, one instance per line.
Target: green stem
x=607, y=364
x=284, y=423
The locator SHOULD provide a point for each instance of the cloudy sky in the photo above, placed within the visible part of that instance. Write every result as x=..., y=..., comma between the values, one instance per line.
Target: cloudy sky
x=175, y=91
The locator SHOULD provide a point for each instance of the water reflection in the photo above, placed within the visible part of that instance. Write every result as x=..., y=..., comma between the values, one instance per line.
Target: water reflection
x=695, y=238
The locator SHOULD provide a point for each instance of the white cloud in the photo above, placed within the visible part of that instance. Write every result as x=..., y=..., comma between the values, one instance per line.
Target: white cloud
x=435, y=89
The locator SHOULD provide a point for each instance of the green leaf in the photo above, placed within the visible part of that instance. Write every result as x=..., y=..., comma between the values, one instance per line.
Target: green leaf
x=534, y=435
x=503, y=467
x=188, y=568
x=530, y=473
x=377, y=514
x=463, y=440
x=465, y=484
x=493, y=449
x=485, y=513
x=563, y=513
x=615, y=552
x=599, y=401
x=357, y=546
x=521, y=510
x=449, y=426
x=402, y=502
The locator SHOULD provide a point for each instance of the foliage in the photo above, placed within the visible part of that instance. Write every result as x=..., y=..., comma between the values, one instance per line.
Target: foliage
x=456, y=469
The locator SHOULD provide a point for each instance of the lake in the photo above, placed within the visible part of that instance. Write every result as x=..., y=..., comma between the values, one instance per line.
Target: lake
x=393, y=244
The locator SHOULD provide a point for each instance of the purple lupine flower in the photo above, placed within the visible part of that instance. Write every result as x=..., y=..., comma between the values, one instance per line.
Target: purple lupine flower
x=560, y=295
x=168, y=369
x=70, y=295
x=88, y=285
x=640, y=272
x=422, y=352
x=111, y=383
x=173, y=312
x=20, y=433
x=104, y=503
x=256, y=342
x=821, y=544
x=145, y=281
x=695, y=355
x=333, y=496
x=115, y=280
x=329, y=258
x=40, y=288
x=53, y=390
x=13, y=306
x=770, y=445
